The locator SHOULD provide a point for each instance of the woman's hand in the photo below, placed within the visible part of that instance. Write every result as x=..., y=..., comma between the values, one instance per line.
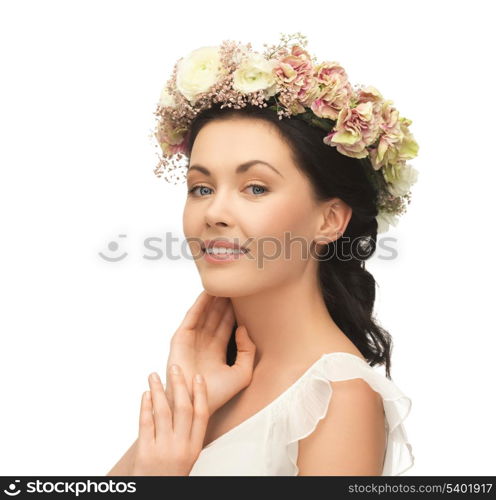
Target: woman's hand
x=199, y=345
x=170, y=440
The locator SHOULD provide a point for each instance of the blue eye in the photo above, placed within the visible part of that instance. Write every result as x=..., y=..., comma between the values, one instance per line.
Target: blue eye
x=190, y=191
x=258, y=186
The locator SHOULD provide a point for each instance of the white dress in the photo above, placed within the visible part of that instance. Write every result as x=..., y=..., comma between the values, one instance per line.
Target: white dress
x=266, y=444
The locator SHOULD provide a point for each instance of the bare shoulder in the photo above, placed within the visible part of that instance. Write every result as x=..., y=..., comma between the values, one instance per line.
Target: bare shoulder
x=350, y=440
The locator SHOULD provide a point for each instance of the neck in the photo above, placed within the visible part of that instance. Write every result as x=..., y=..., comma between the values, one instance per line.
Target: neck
x=288, y=323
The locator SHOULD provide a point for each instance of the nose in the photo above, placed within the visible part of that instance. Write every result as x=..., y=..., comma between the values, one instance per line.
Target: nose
x=218, y=211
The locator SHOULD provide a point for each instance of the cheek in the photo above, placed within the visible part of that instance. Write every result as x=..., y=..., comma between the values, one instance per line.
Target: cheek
x=283, y=221
x=288, y=214
x=193, y=215
x=191, y=228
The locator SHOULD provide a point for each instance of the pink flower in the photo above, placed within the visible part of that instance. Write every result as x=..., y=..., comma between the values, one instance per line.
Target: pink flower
x=295, y=72
x=355, y=129
x=371, y=94
x=179, y=148
x=396, y=143
x=171, y=140
x=334, y=90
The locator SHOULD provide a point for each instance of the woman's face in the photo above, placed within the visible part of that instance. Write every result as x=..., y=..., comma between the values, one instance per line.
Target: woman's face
x=275, y=220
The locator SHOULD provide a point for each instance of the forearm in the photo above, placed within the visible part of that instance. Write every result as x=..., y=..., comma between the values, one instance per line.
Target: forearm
x=124, y=465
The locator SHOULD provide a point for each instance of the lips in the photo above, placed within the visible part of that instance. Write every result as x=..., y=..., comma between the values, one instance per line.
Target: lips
x=222, y=244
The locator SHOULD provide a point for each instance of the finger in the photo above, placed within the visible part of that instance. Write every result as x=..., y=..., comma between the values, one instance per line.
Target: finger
x=201, y=413
x=215, y=313
x=146, y=425
x=161, y=411
x=183, y=407
x=224, y=328
x=168, y=394
x=207, y=311
x=246, y=352
x=196, y=311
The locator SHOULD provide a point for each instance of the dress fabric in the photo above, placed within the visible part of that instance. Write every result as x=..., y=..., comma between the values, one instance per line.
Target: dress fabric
x=266, y=444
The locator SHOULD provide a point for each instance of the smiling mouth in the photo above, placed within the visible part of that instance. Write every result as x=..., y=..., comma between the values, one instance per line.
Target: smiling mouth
x=241, y=250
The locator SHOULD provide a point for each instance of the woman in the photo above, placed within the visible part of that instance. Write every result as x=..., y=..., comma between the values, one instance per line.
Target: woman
x=291, y=391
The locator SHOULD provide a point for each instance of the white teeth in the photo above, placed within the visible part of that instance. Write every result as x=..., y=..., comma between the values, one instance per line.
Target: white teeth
x=223, y=250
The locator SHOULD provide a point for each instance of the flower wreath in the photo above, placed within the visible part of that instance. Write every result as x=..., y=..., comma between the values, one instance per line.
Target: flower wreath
x=287, y=79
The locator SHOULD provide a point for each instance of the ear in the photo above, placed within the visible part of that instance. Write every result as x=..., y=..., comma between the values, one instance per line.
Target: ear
x=336, y=215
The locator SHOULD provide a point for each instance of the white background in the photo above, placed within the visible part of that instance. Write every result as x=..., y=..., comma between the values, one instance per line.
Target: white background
x=79, y=336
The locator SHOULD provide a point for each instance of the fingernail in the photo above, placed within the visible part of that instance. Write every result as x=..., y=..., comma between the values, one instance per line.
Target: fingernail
x=175, y=369
x=198, y=378
x=155, y=377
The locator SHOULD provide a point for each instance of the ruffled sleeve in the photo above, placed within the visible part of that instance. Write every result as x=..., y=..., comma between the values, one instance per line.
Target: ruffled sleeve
x=297, y=415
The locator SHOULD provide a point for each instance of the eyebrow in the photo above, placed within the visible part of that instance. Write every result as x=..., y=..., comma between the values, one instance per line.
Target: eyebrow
x=239, y=169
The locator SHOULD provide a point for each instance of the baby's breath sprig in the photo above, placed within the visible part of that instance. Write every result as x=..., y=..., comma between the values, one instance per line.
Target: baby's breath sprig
x=276, y=50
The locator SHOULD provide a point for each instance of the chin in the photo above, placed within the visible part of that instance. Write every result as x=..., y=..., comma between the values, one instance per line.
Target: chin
x=227, y=286
x=220, y=290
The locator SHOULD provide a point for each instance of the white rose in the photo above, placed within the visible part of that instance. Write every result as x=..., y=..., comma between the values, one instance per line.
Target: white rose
x=255, y=73
x=166, y=98
x=384, y=219
x=198, y=71
x=407, y=176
